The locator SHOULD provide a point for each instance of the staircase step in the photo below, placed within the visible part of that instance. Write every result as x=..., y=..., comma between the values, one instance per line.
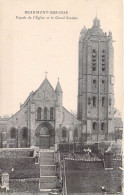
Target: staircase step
x=47, y=155
x=46, y=150
x=45, y=190
x=48, y=182
x=48, y=179
x=48, y=185
x=46, y=158
x=47, y=170
x=44, y=162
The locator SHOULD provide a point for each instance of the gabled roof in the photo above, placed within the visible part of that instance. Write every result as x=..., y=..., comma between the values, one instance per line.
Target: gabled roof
x=27, y=99
x=45, y=82
x=76, y=121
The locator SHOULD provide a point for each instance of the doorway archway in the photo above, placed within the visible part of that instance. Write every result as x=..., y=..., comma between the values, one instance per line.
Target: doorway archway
x=45, y=135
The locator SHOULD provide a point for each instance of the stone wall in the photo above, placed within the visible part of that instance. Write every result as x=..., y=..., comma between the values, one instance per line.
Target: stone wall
x=18, y=121
x=70, y=123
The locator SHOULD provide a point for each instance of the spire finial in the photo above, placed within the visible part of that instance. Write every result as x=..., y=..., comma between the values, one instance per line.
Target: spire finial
x=96, y=12
x=46, y=74
x=58, y=79
x=96, y=22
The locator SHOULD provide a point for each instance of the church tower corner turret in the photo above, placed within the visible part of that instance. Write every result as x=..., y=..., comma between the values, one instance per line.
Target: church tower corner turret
x=58, y=111
x=59, y=94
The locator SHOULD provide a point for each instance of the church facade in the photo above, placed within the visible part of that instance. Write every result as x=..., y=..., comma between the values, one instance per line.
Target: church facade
x=42, y=120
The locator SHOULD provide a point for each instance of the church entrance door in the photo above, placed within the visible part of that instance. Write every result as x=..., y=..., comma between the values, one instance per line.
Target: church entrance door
x=45, y=135
x=44, y=141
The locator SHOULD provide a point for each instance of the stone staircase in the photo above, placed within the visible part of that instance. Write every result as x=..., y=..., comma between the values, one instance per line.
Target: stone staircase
x=48, y=178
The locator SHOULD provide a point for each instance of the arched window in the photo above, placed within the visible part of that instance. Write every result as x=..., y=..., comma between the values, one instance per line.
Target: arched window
x=25, y=133
x=45, y=113
x=103, y=67
x=94, y=51
x=13, y=133
x=102, y=126
x=94, y=126
x=103, y=84
x=76, y=133
x=89, y=100
x=94, y=67
x=94, y=83
x=64, y=133
x=39, y=113
x=103, y=101
x=51, y=113
x=94, y=60
x=103, y=60
x=94, y=101
x=110, y=101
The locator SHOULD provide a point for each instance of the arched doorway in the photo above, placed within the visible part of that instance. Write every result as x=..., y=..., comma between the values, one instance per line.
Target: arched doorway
x=45, y=135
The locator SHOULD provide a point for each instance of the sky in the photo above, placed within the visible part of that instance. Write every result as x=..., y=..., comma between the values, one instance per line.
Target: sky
x=29, y=47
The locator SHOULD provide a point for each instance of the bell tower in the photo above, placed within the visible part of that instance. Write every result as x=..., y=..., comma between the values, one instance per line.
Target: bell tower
x=96, y=83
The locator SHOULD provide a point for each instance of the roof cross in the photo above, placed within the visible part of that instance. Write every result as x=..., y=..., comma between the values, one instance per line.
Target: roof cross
x=46, y=74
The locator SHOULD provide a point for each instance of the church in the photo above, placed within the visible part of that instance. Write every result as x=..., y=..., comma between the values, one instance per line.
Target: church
x=42, y=120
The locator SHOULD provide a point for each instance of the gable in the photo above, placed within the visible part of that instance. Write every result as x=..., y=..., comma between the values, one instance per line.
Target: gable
x=45, y=92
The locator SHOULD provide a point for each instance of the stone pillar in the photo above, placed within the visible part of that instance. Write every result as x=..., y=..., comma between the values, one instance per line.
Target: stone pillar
x=5, y=181
x=19, y=137
x=32, y=125
x=70, y=136
x=59, y=116
x=36, y=150
x=56, y=147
